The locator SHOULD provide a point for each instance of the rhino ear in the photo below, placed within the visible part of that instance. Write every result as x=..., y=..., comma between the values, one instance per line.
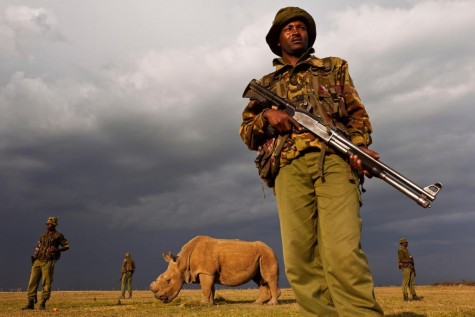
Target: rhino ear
x=169, y=257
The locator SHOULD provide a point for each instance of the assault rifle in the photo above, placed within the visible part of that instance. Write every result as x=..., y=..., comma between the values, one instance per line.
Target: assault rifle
x=340, y=143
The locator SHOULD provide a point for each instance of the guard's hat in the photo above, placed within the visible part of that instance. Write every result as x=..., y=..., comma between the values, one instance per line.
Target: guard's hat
x=284, y=16
x=52, y=221
x=402, y=240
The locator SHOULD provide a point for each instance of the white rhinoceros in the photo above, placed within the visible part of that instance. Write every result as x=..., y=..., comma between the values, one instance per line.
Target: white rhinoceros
x=210, y=261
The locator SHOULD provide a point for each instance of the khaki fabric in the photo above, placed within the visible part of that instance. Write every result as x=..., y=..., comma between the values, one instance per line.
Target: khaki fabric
x=41, y=270
x=408, y=281
x=404, y=258
x=406, y=264
x=126, y=283
x=321, y=232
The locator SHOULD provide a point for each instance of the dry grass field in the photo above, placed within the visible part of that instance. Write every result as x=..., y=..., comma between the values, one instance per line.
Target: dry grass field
x=439, y=301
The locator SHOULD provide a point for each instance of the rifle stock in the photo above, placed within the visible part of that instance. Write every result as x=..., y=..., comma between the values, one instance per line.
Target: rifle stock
x=340, y=143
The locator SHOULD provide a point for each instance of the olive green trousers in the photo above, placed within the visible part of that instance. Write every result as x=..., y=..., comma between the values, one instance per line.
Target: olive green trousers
x=126, y=283
x=408, y=281
x=321, y=230
x=41, y=270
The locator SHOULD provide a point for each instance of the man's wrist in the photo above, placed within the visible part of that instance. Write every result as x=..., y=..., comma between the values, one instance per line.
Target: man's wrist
x=265, y=122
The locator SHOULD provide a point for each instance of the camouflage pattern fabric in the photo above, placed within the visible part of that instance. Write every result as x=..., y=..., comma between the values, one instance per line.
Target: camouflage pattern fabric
x=335, y=94
x=128, y=265
x=47, y=247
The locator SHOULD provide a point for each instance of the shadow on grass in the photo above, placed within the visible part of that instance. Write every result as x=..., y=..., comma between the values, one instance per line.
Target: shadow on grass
x=406, y=314
x=221, y=300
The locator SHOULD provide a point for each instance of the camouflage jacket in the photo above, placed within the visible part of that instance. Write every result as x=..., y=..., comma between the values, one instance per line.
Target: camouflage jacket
x=312, y=84
x=47, y=247
x=128, y=265
x=404, y=258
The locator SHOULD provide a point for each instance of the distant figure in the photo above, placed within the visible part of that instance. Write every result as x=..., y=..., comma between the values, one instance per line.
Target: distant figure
x=128, y=269
x=406, y=265
x=47, y=252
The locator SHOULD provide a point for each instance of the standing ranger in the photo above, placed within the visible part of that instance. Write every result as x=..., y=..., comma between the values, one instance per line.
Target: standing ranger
x=406, y=265
x=128, y=269
x=317, y=191
x=47, y=252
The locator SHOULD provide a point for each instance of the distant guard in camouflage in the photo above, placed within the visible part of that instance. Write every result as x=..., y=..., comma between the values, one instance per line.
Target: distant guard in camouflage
x=408, y=269
x=128, y=269
x=208, y=261
x=47, y=253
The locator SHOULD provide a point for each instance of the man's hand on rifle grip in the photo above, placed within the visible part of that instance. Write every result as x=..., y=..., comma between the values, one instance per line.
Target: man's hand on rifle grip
x=280, y=120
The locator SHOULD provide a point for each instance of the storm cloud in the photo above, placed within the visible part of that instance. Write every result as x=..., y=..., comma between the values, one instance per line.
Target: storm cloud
x=122, y=120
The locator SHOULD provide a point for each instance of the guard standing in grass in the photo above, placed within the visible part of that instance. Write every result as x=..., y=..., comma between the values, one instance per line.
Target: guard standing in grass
x=406, y=265
x=316, y=190
x=47, y=252
x=128, y=269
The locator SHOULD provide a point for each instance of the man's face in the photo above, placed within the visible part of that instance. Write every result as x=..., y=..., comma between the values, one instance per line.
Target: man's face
x=293, y=38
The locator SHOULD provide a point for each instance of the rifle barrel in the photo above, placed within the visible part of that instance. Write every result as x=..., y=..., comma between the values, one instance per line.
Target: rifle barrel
x=340, y=143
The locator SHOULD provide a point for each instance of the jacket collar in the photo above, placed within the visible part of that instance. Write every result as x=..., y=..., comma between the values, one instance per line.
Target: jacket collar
x=307, y=59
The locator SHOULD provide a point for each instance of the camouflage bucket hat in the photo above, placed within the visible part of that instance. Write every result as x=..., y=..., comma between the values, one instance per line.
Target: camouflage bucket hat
x=284, y=16
x=52, y=221
x=401, y=241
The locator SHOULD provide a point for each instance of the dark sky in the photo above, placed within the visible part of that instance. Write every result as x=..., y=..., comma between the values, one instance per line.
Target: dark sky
x=126, y=129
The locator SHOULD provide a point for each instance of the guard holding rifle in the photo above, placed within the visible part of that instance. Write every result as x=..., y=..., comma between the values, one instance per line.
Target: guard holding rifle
x=317, y=191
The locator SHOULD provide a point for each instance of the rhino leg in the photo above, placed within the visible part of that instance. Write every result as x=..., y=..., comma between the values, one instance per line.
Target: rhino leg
x=274, y=292
x=269, y=270
x=268, y=291
x=263, y=294
x=207, y=288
